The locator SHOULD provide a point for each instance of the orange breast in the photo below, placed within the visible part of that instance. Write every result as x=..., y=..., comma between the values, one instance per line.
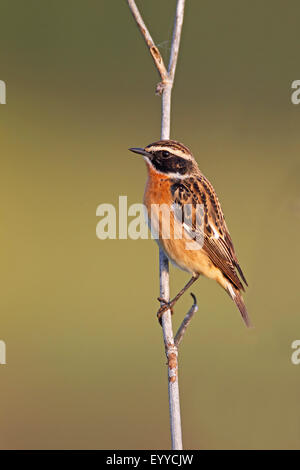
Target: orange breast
x=157, y=189
x=158, y=192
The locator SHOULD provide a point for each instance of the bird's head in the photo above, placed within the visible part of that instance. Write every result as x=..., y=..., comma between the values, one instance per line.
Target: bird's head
x=168, y=157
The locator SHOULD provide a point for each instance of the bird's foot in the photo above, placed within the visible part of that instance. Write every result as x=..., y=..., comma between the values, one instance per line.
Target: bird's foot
x=166, y=306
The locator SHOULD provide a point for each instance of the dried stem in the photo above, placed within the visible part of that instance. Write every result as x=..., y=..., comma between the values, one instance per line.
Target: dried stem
x=165, y=88
x=185, y=323
x=156, y=55
x=176, y=39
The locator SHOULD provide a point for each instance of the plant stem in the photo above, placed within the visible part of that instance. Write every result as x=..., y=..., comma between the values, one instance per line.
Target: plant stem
x=165, y=89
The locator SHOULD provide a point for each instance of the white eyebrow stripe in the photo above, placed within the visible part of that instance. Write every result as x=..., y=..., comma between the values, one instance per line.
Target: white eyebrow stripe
x=177, y=152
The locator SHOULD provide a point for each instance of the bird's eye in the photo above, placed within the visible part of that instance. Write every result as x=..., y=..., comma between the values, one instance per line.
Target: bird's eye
x=165, y=153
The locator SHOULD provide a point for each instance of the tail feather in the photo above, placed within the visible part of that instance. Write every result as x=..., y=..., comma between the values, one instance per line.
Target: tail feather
x=239, y=302
x=241, y=273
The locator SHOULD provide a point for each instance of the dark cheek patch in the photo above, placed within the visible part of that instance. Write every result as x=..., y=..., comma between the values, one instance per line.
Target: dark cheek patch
x=172, y=164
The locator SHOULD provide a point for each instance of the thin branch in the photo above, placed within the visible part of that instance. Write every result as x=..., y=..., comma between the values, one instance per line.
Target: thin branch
x=156, y=55
x=185, y=323
x=165, y=88
x=176, y=39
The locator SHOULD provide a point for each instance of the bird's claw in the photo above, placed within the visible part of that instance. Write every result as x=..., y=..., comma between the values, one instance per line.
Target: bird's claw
x=166, y=306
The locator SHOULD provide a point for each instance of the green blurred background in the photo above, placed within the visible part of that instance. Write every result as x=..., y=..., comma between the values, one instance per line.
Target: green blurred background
x=85, y=359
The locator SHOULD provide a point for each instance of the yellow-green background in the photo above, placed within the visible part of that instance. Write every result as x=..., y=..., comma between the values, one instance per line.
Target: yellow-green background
x=85, y=360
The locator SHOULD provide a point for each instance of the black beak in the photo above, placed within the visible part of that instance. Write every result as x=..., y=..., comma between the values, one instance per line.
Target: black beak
x=140, y=151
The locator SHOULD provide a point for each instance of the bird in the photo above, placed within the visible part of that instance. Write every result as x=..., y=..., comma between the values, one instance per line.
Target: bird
x=175, y=182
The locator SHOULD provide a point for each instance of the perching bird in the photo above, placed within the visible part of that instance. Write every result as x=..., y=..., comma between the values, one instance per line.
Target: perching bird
x=175, y=180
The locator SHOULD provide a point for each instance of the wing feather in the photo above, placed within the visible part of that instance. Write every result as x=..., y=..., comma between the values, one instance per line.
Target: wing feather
x=217, y=241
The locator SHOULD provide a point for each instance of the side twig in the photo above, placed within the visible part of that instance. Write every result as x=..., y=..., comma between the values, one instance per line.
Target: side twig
x=185, y=323
x=156, y=55
x=165, y=88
